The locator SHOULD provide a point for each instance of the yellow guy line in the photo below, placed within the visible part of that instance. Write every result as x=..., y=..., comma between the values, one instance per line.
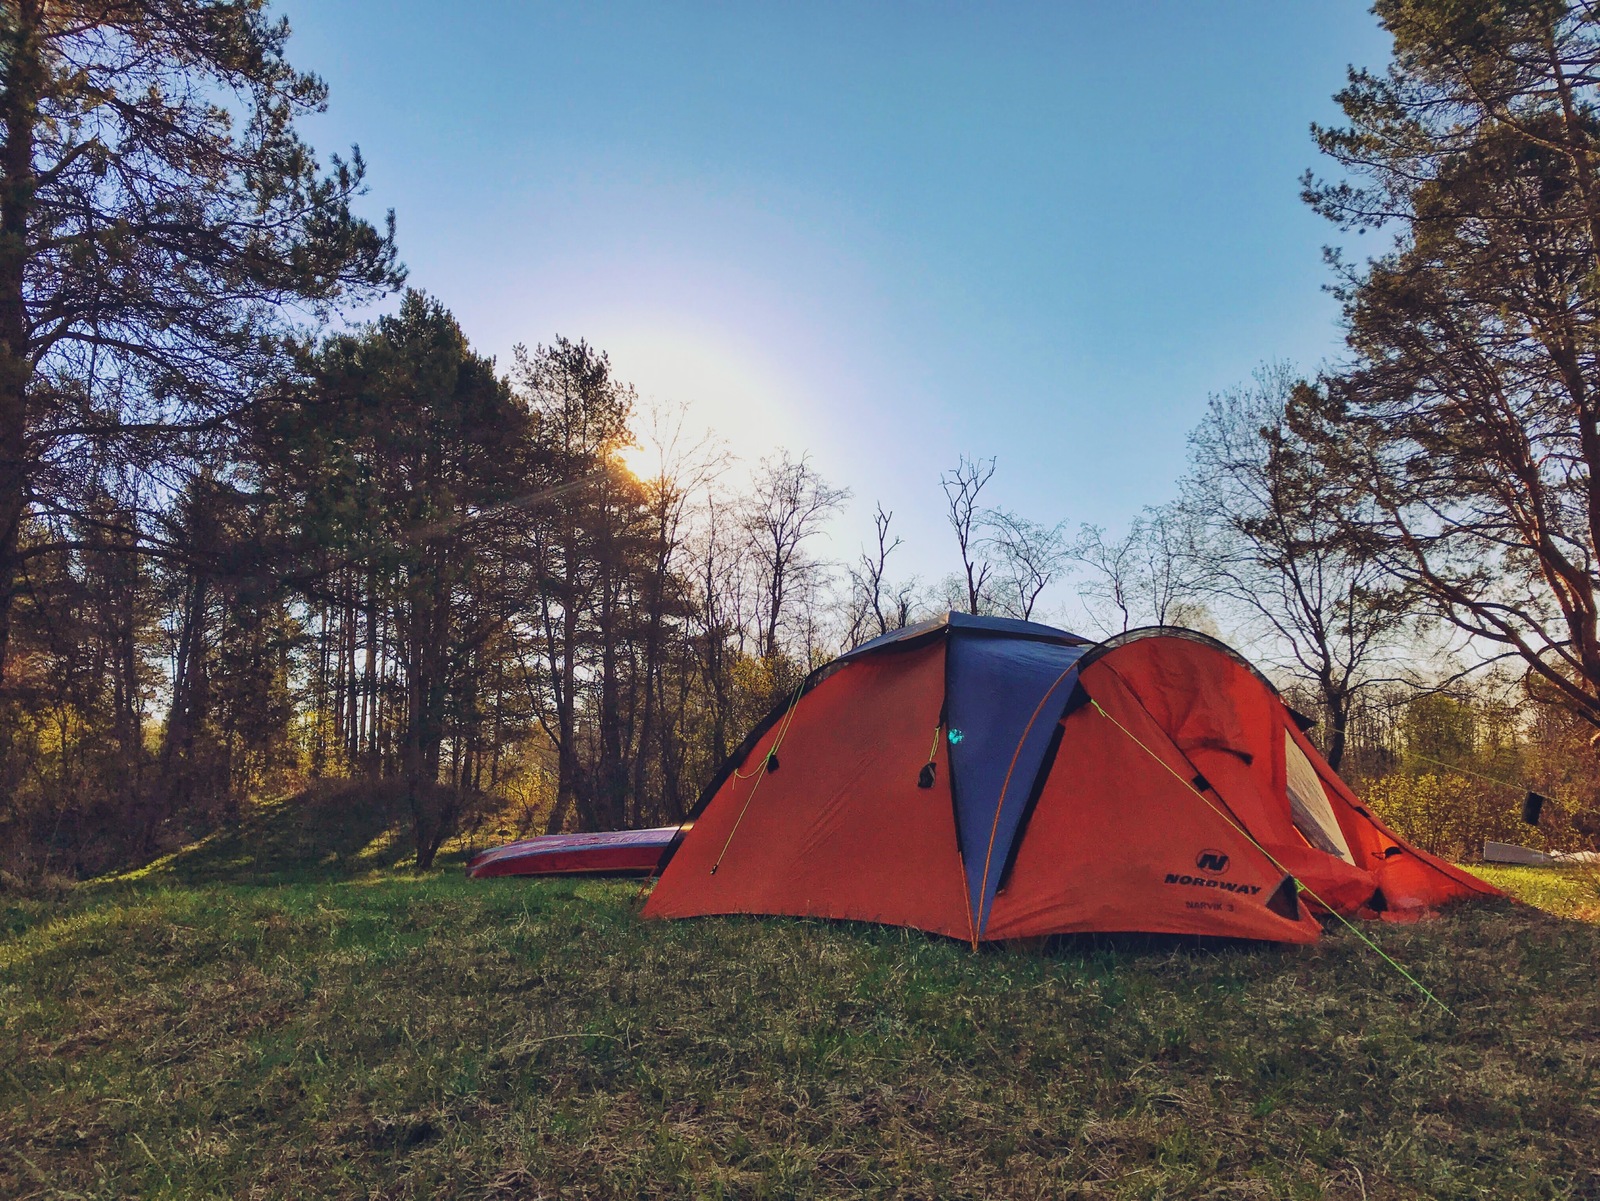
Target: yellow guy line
x=760, y=774
x=1382, y=954
x=1467, y=771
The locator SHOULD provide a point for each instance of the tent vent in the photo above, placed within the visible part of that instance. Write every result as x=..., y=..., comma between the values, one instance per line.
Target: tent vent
x=1313, y=815
x=1285, y=900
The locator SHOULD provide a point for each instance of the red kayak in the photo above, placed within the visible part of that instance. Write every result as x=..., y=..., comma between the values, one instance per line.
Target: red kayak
x=609, y=853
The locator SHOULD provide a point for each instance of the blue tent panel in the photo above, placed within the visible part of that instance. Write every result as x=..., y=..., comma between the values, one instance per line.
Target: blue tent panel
x=954, y=622
x=1003, y=698
x=1010, y=627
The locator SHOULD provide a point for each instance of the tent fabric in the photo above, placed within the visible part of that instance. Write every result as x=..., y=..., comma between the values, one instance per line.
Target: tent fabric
x=1004, y=698
x=1137, y=785
x=1120, y=843
x=1407, y=878
x=969, y=623
x=841, y=828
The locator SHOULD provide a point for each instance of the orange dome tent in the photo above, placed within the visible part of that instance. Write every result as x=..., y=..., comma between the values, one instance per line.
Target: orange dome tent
x=992, y=779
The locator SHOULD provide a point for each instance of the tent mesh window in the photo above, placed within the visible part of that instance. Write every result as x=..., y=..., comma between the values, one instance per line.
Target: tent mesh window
x=1313, y=815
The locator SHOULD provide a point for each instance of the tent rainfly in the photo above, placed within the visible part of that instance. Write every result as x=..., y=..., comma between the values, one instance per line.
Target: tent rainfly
x=991, y=779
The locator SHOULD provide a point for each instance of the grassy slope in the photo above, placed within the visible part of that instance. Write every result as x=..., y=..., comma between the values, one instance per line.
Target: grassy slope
x=371, y=1033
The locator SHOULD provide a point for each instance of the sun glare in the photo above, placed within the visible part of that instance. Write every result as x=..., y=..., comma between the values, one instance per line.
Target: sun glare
x=726, y=393
x=641, y=460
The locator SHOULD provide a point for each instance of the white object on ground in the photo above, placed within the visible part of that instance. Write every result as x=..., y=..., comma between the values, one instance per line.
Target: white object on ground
x=1510, y=852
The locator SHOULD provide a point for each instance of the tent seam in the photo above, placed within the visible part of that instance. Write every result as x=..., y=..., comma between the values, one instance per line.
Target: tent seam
x=1005, y=785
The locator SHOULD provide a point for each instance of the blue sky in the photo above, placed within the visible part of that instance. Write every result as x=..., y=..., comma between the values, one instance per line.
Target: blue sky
x=885, y=234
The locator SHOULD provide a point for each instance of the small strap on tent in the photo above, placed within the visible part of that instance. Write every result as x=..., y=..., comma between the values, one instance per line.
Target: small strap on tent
x=929, y=771
x=1298, y=884
x=769, y=762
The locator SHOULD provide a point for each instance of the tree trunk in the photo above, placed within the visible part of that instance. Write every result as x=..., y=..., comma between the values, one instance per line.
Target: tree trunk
x=612, y=775
x=566, y=701
x=23, y=79
x=322, y=698
x=651, y=669
x=1337, y=701
x=189, y=700
x=425, y=716
x=370, y=764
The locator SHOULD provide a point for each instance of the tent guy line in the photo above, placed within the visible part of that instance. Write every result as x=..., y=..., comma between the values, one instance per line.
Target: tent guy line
x=767, y=763
x=1217, y=809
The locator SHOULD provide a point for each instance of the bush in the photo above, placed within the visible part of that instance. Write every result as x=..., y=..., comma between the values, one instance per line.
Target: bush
x=1449, y=814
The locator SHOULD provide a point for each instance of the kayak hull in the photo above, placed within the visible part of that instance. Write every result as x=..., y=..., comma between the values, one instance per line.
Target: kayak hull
x=605, y=853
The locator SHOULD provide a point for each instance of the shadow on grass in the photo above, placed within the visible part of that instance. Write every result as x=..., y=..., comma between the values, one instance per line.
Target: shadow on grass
x=329, y=832
x=1102, y=951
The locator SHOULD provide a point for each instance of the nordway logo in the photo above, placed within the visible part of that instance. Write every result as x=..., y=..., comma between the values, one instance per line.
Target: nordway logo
x=1215, y=862
x=1248, y=890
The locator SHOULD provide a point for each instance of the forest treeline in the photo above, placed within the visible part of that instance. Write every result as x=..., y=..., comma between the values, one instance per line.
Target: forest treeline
x=250, y=542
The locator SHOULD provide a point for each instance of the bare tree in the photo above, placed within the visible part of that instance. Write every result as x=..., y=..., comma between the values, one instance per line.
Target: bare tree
x=683, y=466
x=1274, y=528
x=962, y=488
x=721, y=604
x=1033, y=556
x=788, y=504
x=876, y=605
x=1107, y=594
x=1147, y=577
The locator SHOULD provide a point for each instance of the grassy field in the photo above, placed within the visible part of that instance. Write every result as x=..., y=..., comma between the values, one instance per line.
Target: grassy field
x=241, y=1022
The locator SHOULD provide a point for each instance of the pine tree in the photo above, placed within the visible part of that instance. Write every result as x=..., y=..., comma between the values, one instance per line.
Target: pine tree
x=1469, y=411
x=160, y=222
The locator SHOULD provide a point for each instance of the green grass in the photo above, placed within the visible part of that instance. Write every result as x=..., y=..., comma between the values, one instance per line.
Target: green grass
x=1565, y=891
x=351, y=1031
